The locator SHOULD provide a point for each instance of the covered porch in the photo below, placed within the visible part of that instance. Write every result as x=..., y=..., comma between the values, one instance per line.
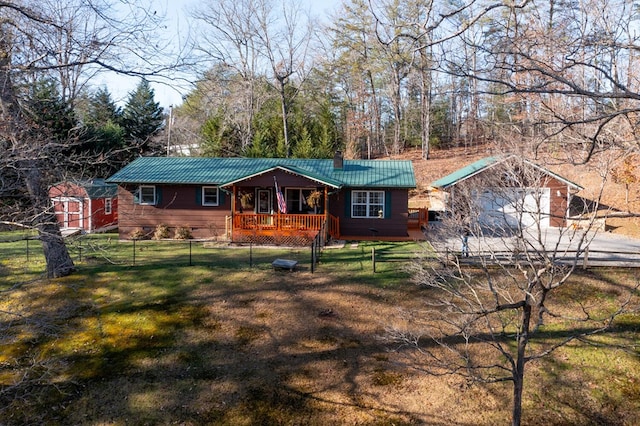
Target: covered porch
x=279, y=207
x=288, y=206
x=301, y=229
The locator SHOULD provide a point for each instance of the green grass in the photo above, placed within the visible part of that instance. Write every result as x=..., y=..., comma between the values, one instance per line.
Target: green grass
x=357, y=261
x=212, y=335
x=22, y=260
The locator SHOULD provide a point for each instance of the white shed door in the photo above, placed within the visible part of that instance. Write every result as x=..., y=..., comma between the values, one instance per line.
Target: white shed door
x=508, y=207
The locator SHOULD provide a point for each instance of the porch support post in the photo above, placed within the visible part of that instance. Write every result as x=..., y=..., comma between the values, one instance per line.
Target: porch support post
x=233, y=200
x=326, y=213
x=234, y=195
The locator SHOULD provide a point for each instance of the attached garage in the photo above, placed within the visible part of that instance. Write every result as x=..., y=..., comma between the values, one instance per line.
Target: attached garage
x=507, y=191
x=515, y=205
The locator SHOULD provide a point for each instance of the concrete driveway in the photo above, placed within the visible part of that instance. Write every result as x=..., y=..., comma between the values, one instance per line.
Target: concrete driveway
x=597, y=248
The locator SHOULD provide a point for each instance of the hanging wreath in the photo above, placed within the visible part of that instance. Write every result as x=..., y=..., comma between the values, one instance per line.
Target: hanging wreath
x=245, y=199
x=314, y=199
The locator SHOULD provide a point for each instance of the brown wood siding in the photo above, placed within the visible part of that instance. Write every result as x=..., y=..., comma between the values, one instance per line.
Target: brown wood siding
x=396, y=225
x=558, y=202
x=177, y=207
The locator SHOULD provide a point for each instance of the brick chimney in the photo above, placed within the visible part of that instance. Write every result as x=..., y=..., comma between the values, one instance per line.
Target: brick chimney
x=338, y=161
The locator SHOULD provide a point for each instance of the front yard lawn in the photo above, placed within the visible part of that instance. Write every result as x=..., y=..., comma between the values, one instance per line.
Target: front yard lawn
x=212, y=335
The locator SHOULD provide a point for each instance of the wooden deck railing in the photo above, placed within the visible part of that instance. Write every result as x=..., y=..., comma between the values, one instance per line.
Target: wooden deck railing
x=418, y=217
x=266, y=222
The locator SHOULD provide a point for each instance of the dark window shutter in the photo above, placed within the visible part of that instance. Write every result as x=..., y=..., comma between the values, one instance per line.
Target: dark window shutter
x=198, y=195
x=387, y=204
x=136, y=196
x=347, y=203
x=221, y=194
x=158, y=195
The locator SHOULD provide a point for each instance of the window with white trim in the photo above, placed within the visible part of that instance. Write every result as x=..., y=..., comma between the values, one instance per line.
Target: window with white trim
x=147, y=194
x=367, y=204
x=210, y=196
x=108, y=205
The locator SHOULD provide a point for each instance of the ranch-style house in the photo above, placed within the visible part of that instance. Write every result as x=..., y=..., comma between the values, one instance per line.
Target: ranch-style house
x=269, y=200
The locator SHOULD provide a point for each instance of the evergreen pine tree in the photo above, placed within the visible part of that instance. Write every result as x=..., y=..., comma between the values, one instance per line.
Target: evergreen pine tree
x=304, y=145
x=103, y=135
x=259, y=146
x=142, y=118
x=49, y=112
x=102, y=110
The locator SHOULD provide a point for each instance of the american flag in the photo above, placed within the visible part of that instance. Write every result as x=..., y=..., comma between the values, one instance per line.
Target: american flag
x=282, y=204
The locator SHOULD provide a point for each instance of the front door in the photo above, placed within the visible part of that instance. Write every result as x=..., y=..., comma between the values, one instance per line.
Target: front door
x=265, y=204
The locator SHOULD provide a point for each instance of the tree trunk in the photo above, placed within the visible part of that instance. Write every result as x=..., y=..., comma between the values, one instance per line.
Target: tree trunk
x=396, y=99
x=425, y=103
x=58, y=260
x=518, y=374
x=285, y=127
x=56, y=255
x=375, y=131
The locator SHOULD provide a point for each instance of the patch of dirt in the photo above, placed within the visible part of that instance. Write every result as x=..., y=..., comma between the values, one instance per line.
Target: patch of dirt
x=616, y=201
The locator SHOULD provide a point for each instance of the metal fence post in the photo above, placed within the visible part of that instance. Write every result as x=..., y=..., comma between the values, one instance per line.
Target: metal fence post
x=373, y=258
x=585, y=260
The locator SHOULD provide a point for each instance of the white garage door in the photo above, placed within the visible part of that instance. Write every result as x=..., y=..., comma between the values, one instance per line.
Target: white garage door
x=512, y=206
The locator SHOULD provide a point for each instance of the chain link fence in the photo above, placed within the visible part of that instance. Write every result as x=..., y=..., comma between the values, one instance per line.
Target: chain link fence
x=106, y=249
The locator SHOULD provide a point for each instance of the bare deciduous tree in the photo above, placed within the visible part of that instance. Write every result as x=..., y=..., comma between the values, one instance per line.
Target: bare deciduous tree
x=67, y=42
x=487, y=318
x=260, y=40
x=569, y=72
x=351, y=36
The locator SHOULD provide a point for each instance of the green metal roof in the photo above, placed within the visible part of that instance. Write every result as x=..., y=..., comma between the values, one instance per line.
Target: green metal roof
x=484, y=163
x=222, y=171
x=98, y=188
x=464, y=173
x=291, y=169
x=95, y=188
